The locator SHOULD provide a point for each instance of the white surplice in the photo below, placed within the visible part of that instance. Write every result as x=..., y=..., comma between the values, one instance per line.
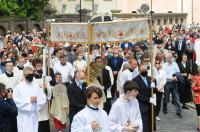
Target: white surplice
x=10, y=82
x=43, y=114
x=123, y=111
x=83, y=119
x=18, y=73
x=27, y=120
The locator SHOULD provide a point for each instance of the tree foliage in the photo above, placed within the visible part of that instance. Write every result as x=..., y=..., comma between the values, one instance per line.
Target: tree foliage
x=23, y=8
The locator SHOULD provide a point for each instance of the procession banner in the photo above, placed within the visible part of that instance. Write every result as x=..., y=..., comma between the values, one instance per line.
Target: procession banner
x=120, y=31
x=69, y=32
x=101, y=31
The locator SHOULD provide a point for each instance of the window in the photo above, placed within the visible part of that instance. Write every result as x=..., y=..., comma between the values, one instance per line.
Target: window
x=158, y=22
x=165, y=21
x=176, y=20
x=181, y=20
x=170, y=21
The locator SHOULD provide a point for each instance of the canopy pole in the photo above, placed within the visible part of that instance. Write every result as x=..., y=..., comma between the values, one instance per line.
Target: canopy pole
x=152, y=68
x=90, y=41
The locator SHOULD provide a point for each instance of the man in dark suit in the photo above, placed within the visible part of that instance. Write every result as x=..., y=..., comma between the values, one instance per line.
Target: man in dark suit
x=76, y=94
x=144, y=97
x=185, y=92
x=180, y=47
x=126, y=45
x=105, y=80
x=115, y=62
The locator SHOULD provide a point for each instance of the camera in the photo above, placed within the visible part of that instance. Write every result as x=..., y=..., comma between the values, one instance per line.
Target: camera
x=9, y=90
x=148, y=67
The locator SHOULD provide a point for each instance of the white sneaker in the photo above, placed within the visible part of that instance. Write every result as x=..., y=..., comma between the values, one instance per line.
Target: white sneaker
x=157, y=118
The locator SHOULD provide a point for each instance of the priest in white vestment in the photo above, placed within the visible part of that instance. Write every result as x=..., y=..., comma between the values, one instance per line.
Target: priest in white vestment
x=92, y=118
x=125, y=114
x=9, y=78
x=29, y=99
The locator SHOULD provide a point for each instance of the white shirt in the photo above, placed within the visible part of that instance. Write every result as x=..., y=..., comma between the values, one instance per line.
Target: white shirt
x=123, y=111
x=180, y=45
x=170, y=69
x=27, y=120
x=161, y=80
x=66, y=71
x=79, y=65
x=154, y=72
x=83, y=119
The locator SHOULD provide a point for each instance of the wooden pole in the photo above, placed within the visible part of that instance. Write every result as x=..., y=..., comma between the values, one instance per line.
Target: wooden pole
x=49, y=55
x=152, y=68
x=90, y=41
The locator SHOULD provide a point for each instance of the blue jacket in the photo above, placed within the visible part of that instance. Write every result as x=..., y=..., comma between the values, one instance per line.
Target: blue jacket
x=7, y=108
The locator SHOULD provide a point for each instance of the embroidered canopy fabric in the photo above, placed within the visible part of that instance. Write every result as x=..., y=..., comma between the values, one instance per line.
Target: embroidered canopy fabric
x=101, y=31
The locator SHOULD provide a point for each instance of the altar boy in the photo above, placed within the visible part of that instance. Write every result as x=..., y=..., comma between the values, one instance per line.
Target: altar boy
x=92, y=118
x=125, y=113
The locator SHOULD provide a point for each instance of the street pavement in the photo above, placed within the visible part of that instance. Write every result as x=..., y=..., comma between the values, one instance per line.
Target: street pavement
x=170, y=122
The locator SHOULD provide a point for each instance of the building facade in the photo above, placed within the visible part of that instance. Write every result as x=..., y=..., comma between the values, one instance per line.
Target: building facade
x=182, y=11
x=191, y=7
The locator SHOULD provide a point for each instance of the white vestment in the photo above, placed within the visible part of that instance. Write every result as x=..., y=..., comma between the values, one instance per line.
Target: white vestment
x=27, y=120
x=124, y=76
x=123, y=111
x=10, y=82
x=43, y=113
x=83, y=119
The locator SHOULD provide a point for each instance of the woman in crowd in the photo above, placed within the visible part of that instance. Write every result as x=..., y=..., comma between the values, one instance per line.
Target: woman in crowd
x=196, y=90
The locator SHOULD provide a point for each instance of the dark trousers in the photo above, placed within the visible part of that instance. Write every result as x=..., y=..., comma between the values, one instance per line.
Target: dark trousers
x=158, y=102
x=114, y=87
x=147, y=121
x=107, y=105
x=171, y=87
x=11, y=124
x=44, y=126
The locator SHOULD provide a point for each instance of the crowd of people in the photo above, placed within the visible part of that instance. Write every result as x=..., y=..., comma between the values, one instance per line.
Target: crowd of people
x=111, y=94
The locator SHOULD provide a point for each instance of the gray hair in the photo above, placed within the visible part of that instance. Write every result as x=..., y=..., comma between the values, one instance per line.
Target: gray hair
x=27, y=68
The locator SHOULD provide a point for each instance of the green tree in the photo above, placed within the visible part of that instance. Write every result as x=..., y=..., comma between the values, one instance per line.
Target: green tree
x=24, y=8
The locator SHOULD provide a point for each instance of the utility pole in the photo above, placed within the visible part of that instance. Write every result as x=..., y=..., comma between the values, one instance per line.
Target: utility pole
x=93, y=7
x=181, y=6
x=192, y=11
x=80, y=13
